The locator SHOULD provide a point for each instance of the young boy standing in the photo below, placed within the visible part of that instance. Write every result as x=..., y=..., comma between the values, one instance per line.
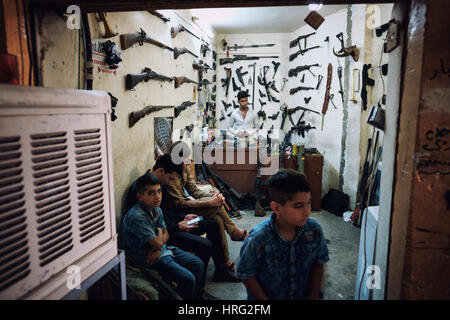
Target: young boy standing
x=283, y=257
x=144, y=236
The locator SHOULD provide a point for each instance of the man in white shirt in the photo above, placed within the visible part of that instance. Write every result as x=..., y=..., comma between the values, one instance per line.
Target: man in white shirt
x=243, y=122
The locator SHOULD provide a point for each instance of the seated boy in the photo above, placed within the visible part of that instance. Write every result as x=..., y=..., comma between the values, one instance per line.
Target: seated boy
x=144, y=237
x=283, y=256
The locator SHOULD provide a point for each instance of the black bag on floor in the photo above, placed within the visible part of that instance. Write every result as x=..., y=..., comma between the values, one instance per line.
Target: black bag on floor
x=336, y=202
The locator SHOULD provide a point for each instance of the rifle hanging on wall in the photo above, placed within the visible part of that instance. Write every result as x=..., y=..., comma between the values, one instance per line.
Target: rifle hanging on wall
x=179, y=28
x=147, y=74
x=129, y=39
x=138, y=115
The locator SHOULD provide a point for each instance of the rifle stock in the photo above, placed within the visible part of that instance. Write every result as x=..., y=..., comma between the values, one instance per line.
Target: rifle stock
x=129, y=39
x=180, y=80
x=133, y=79
x=300, y=88
x=136, y=116
x=182, y=107
x=294, y=42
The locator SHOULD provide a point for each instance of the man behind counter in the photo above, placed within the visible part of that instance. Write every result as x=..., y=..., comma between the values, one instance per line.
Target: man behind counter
x=243, y=121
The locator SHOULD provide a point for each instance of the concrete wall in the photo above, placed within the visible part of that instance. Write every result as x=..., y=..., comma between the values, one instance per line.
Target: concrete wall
x=133, y=148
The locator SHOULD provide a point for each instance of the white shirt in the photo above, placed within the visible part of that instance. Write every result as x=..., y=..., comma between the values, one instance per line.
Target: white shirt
x=237, y=123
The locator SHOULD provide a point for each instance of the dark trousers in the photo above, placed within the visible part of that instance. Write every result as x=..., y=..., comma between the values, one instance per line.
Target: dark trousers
x=203, y=248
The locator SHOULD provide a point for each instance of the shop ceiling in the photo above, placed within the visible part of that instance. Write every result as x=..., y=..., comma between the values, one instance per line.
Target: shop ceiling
x=138, y=5
x=279, y=19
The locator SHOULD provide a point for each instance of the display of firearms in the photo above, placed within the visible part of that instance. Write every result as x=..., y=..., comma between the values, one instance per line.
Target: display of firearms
x=293, y=72
x=147, y=74
x=301, y=128
x=179, y=28
x=296, y=41
x=230, y=206
x=341, y=91
x=204, y=48
x=366, y=81
x=138, y=115
x=286, y=112
x=227, y=80
x=274, y=116
x=180, y=80
x=241, y=57
x=226, y=105
x=300, y=88
x=301, y=52
x=276, y=65
x=129, y=39
x=235, y=47
x=159, y=15
x=235, y=87
x=327, y=92
x=179, y=51
x=240, y=74
x=182, y=107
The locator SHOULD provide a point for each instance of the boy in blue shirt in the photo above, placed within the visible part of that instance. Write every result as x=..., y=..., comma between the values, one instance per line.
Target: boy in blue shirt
x=283, y=257
x=144, y=237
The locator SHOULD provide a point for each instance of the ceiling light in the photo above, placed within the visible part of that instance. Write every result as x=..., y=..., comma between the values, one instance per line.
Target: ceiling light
x=315, y=6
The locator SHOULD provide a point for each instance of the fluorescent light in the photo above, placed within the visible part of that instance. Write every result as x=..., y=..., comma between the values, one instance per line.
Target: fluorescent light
x=315, y=6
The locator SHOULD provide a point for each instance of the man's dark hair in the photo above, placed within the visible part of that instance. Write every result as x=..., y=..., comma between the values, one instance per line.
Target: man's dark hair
x=165, y=162
x=242, y=94
x=285, y=183
x=144, y=181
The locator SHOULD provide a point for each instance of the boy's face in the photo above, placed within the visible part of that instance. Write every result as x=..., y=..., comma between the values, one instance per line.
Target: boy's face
x=151, y=197
x=295, y=211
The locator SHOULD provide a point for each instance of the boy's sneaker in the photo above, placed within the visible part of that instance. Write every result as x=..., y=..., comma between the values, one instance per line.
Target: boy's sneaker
x=225, y=275
x=204, y=295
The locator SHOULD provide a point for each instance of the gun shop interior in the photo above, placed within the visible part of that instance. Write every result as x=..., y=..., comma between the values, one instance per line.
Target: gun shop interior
x=344, y=92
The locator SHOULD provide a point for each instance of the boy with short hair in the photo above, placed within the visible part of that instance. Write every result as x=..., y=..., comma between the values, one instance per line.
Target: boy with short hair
x=283, y=257
x=144, y=236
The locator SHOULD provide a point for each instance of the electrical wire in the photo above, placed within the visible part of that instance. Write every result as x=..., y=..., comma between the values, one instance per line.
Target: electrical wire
x=381, y=73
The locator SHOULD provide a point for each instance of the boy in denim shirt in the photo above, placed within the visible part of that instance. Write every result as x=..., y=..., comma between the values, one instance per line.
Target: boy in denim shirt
x=144, y=236
x=283, y=257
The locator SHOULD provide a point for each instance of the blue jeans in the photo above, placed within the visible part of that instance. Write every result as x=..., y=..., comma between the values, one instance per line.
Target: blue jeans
x=185, y=269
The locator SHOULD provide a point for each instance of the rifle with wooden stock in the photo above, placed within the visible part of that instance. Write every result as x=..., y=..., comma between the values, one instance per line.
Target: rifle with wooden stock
x=179, y=28
x=179, y=51
x=147, y=74
x=300, y=88
x=180, y=80
x=182, y=107
x=138, y=115
x=159, y=15
x=296, y=41
x=293, y=72
x=129, y=39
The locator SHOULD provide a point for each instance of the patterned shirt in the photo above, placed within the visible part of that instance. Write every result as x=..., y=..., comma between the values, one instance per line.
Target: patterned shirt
x=139, y=225
x=282, y=267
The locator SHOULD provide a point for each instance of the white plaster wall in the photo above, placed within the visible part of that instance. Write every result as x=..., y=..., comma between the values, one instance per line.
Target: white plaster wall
x=133, y=148
x=328, y=140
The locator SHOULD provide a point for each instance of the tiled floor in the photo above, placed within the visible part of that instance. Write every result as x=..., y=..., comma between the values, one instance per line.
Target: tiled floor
x=340, y=274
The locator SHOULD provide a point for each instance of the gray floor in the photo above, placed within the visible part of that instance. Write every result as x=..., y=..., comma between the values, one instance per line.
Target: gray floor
x=340, y=271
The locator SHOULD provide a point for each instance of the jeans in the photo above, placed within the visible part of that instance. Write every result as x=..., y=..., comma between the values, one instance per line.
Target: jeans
x=185, y=269
x=203, y=248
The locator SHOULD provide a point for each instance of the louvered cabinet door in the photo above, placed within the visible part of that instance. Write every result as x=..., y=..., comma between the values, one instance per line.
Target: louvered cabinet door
x=54, y=205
